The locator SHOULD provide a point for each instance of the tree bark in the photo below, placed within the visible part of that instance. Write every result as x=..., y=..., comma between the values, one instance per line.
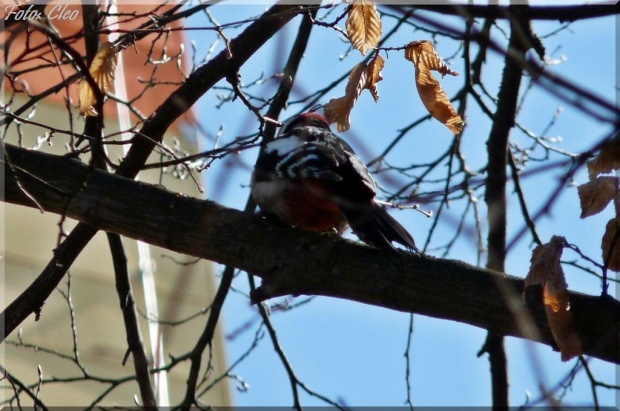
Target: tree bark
x=294, y=261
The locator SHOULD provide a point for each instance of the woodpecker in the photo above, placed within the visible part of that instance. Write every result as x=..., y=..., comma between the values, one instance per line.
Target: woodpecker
x=310, y=178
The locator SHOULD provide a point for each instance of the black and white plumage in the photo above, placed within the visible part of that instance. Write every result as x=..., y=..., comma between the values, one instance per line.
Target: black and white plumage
x=310, y=178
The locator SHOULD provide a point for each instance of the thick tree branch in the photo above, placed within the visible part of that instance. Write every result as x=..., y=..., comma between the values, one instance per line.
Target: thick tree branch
x=559, y=13
x=495, y=196
x=130, y=319
x=497, y=146
x=293, y=261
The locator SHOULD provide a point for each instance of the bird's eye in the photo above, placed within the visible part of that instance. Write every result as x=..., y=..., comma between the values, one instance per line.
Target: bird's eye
x=288, y=125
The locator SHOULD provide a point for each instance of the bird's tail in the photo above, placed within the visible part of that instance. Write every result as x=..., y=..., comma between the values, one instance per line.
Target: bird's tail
x=374, y=226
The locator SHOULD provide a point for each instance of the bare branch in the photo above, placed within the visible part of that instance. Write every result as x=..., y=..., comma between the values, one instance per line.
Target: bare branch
x=175, y=105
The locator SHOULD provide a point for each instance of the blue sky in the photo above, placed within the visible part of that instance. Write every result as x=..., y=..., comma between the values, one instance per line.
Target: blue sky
x=353, y=352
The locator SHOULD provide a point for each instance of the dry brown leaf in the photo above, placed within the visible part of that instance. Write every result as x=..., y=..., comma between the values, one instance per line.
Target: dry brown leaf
x=339, y=109
x=546, y=270
x=87, y=100
x=423, y=52
x=607, y=160
x=434, y=98
x=362, y=76
x=597, y=194
x=102, y=71
x=364, y=25
x=560, y=319
x=374, y=75
x=545, y=264
x=612, y=236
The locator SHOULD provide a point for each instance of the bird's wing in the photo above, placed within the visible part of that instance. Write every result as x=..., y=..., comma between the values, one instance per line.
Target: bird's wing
x=309, y=161
x=357, y=183
x=318, y=156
